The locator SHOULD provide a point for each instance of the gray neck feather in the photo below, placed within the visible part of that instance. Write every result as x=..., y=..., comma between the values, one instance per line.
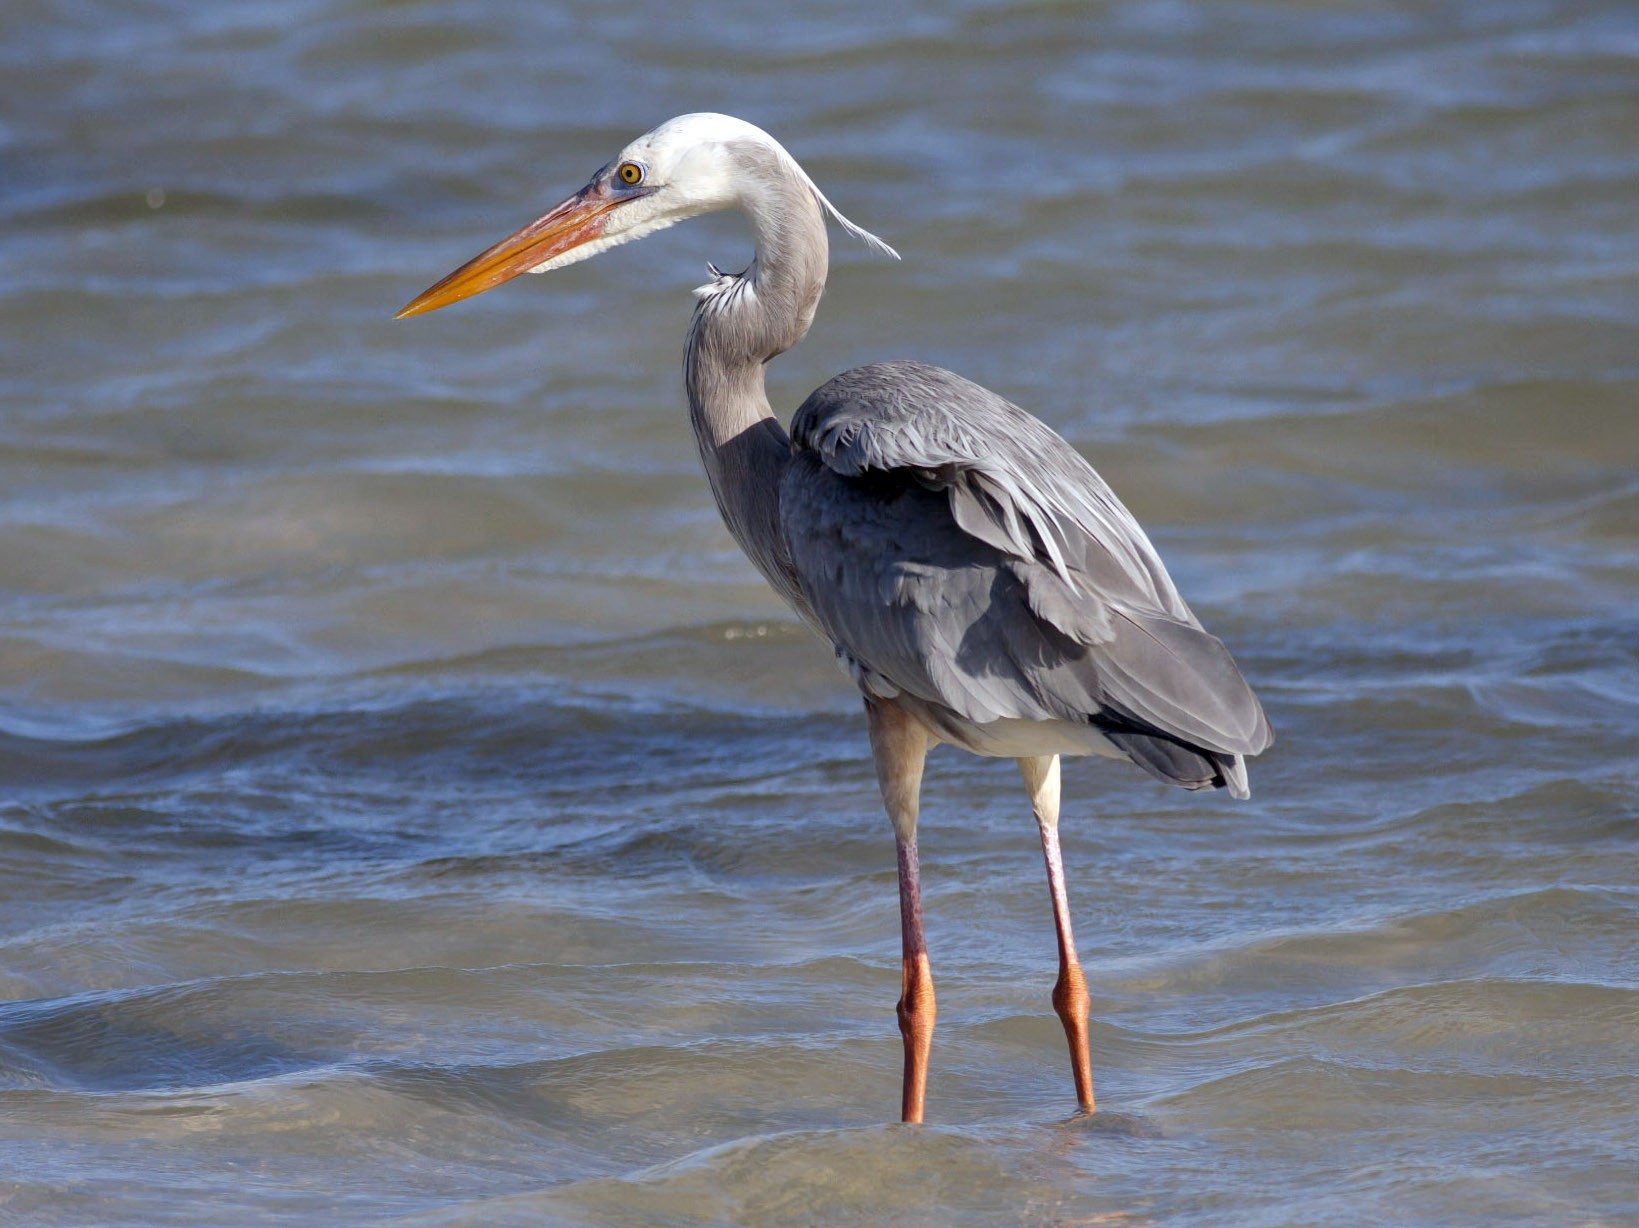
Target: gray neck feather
x=742, y=322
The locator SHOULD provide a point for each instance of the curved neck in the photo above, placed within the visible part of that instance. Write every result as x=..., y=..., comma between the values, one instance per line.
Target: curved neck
x=740, y=323
x=743, y=320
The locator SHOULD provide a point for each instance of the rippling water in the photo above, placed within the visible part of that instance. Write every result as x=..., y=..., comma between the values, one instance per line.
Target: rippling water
x=415, y=809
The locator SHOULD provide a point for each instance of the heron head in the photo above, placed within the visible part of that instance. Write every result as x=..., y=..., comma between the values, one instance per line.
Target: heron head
x=690, y=165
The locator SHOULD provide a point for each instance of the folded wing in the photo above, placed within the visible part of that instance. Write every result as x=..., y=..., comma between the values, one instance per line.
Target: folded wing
x=956, y=549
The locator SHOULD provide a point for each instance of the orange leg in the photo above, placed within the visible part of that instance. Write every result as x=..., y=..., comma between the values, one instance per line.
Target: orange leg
x=899, y=745
x=1070, y=997
x=916, y=1008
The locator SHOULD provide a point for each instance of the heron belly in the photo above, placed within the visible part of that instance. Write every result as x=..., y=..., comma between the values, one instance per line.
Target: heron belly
x=1010, y=738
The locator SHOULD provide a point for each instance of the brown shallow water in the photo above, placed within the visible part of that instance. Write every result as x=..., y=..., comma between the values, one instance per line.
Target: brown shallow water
x=412, y=809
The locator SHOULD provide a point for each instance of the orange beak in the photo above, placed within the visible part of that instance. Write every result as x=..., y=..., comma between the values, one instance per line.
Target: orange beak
x=578, y=220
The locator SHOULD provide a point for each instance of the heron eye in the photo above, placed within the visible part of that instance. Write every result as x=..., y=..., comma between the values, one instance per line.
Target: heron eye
x=630, y=173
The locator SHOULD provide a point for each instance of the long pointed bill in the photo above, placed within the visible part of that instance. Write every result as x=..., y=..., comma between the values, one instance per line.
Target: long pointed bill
x=578, y=220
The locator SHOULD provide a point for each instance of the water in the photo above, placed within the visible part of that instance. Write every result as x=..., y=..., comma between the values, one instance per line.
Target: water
x=416, y=811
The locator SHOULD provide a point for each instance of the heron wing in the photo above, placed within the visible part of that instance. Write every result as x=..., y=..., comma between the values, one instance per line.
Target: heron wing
x=955, y=547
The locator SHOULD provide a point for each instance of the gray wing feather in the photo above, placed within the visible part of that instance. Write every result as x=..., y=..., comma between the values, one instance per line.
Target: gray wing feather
x=1013, y=482
x=954, y=547
x=907, y=596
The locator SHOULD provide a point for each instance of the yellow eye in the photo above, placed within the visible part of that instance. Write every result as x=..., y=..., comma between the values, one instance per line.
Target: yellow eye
x=630, y=173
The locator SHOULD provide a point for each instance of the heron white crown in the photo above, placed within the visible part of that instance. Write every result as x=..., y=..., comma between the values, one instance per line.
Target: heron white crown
x=691, y=165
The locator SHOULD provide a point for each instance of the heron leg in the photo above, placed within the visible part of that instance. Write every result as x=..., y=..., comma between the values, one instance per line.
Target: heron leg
x=1070, y=997
x=899, y=745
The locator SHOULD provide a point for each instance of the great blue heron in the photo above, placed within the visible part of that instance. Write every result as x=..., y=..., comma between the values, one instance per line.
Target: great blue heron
x=978, y=580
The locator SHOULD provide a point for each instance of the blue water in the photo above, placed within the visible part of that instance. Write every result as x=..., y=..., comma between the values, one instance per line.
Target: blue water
x=413, y=808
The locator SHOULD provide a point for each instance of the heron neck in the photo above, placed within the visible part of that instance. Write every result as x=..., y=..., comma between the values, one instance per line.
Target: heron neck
x=744, y=320
x=741, y=322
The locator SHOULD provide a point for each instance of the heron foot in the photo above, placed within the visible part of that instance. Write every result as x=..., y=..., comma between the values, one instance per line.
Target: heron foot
x=1113, y=1122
